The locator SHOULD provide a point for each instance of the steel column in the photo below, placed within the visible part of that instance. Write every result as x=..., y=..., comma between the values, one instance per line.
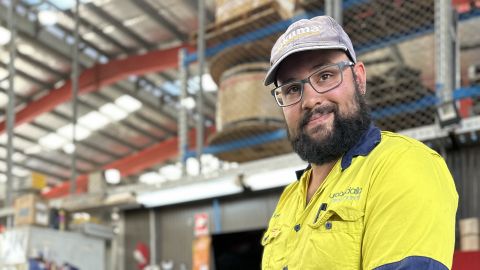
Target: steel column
x=10, y=108
x=153, y=237
x=201, y=69
x=445, y=37
x=182, y=116
x=334, y=9
x=75, y=73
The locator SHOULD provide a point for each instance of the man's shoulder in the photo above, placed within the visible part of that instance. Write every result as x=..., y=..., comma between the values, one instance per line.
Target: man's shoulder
x=396, y=143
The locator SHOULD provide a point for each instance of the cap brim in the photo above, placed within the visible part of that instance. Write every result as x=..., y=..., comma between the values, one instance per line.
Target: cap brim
x=271, y=74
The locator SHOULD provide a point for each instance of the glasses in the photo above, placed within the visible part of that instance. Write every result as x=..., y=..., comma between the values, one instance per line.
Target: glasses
x=324, y=79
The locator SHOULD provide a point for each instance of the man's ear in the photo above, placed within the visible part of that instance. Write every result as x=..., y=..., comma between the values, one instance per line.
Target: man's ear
x=361, y=74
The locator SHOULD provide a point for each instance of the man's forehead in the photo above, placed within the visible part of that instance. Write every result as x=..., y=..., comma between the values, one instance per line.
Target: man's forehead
x=307, y=61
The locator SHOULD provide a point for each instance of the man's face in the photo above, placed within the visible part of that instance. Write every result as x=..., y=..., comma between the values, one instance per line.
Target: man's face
x=322, y=127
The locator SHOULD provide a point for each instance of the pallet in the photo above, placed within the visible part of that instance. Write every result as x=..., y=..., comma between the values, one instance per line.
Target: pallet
x=259, y=16
x=309, y=5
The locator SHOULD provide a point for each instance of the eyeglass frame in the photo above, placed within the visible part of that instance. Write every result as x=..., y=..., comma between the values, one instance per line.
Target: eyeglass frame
x=341, y=65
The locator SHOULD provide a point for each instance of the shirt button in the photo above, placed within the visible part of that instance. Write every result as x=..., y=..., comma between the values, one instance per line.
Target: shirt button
x=328, y=225
x=297, y=227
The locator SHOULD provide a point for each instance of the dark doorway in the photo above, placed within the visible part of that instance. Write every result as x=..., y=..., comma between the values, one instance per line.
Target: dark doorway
x=238, y=250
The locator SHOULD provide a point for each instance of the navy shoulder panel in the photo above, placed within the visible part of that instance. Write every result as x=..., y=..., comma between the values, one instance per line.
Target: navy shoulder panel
x=414, y=263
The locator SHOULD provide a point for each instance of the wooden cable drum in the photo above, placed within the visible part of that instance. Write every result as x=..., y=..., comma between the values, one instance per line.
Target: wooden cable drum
x=257, y=51
x=243, y=96
x=245, y=109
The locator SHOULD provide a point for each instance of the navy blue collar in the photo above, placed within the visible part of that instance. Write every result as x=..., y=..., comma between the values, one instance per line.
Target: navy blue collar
x=365, y=145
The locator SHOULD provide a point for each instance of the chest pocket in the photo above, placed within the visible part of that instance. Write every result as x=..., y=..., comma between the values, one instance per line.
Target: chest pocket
x=340, y=219
x=273, y=247
x=335, y=239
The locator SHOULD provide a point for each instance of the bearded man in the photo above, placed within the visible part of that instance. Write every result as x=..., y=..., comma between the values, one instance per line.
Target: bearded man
x=369, y=199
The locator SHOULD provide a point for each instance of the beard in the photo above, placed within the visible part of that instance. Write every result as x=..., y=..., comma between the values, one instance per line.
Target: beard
x=345, y=133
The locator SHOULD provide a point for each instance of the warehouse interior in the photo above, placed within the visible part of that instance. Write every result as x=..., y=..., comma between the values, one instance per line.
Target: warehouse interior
x=137, y=134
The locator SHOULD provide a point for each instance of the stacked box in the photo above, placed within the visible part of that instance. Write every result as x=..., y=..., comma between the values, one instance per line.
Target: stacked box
x=227, y=10
x=96, y=183
x=30, y=209
x=35, y=181
x=470, y=234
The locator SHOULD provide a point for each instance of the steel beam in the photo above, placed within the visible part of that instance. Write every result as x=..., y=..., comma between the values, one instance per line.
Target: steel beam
x=132, y=164
x=109, y=18
x=99, y=76
x=154, y=15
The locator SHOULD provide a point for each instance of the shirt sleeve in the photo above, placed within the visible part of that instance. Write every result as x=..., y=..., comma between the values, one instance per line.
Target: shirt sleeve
x=410, y=211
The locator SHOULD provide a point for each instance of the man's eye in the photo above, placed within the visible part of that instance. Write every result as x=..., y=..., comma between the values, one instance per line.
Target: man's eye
x=292, y=90
x=325, y=76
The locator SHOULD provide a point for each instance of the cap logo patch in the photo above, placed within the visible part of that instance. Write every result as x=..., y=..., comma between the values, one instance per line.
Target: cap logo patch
x=297, y=34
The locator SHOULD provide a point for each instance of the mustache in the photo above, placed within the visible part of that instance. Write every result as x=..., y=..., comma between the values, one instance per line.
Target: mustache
x=318, y=110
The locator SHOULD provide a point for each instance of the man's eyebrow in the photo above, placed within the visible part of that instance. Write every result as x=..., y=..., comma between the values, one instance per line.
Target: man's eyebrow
x=314, y=68
x=318, y=66
x=287, y=81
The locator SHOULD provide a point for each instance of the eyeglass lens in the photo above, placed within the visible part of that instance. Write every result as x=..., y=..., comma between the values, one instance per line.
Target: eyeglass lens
x=322, y=81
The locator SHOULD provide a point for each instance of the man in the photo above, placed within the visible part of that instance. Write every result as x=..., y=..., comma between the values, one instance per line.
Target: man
x=369, y=199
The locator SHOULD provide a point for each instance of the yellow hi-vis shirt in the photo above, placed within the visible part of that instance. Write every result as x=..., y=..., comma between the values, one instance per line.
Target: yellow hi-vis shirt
x=391, y=207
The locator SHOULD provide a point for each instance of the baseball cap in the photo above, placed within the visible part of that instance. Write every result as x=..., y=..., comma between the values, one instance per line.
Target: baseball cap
x=318, y=33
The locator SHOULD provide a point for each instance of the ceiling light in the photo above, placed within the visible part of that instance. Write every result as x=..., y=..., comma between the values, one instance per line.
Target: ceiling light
x=171, y=172
x=5, y=36
x=26, y=49
x=151, y=178
x=129, y=103
x=18, y=157
x=114, y=112
x=209, y=163
x=134, y=20
x=5, y=84
x=193, y=168
x=186, y=193
x=89, y=35
x=271, y=179
x=20, y=172
x=188, y=103
x=80, y=132
x=47, y=17
x=35, y=149
x=3, y=74
x=208, y=84
x=112, y=176
x=94, y=120
x=108, y=29
x=69, y=148
x=52, y=141
x=3, y=99
x=3, y=178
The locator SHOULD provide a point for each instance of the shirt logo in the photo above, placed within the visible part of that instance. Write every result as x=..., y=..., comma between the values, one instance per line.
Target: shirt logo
x=349, y=194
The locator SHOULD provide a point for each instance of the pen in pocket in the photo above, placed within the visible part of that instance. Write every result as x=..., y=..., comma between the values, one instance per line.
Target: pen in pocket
x=323, y=207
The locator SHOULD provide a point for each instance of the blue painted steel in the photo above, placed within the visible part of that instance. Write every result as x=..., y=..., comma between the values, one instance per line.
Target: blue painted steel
x=217, y=216
x=282, y=25
x=405, y=107
x=427, y=101
x=243, y=143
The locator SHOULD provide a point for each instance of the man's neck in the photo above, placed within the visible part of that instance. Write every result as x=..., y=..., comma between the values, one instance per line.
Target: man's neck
x=318, y=175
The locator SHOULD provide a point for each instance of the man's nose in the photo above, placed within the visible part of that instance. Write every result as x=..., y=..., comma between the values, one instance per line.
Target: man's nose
x=311, y=98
